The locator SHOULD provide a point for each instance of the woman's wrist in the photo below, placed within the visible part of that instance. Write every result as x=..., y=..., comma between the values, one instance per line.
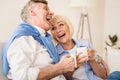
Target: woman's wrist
x=91, y=58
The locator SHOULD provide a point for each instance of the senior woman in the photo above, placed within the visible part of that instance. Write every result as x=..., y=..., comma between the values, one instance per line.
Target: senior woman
x=87, y=68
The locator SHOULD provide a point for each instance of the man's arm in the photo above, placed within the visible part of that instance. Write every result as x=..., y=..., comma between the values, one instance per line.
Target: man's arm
x=66, y=64
x=21, y=57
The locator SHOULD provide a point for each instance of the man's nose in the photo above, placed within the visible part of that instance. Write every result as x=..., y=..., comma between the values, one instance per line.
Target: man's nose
x=51, y=12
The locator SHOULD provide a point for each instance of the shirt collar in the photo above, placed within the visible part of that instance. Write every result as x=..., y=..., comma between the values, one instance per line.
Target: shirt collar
x=78, y=44
x=41, y=31
x=60, y=49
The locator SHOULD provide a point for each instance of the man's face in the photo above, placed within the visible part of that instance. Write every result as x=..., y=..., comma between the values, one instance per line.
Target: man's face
x=43, y=15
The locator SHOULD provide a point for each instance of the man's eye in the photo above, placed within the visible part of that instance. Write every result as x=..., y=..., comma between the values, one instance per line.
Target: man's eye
x=46, y=8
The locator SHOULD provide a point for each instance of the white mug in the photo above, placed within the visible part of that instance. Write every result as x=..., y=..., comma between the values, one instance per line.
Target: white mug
x=83, y=50
x=75, y=61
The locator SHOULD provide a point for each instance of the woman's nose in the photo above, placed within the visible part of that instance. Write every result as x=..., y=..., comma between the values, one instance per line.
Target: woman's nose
x=58, y=30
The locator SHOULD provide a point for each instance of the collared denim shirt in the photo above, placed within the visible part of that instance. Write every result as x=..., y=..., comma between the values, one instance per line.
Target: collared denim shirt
x=88, y=69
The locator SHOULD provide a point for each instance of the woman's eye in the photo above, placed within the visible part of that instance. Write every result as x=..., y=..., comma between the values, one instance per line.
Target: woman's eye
x=53, y=28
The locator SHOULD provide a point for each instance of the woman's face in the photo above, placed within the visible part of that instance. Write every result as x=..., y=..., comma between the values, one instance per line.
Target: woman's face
x=60, y=32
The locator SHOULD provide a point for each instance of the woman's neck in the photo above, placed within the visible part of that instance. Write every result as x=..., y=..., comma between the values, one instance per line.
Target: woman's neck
x=68, y=45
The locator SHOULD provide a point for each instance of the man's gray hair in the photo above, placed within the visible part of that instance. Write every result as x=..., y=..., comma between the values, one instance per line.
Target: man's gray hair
x=30, y=4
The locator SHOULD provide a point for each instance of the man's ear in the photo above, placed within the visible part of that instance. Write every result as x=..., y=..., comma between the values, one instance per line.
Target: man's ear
x=32, y=12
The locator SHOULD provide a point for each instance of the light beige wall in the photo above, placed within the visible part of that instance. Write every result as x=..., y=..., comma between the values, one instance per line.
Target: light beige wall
x=112, y=19
x=10, y=18
x=96, y=11
x=96, y=17
x=111, y=27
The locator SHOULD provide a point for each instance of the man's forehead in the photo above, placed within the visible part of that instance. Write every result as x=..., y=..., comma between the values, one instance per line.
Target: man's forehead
x=42, y=4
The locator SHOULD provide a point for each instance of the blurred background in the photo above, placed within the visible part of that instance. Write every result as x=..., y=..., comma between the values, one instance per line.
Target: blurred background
x=104, y=18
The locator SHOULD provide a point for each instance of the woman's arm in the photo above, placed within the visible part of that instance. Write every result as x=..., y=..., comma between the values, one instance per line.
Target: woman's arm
x=69, y=75
x=97, y=69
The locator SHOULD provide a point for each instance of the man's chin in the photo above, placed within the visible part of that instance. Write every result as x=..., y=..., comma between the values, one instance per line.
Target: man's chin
x=47, y=28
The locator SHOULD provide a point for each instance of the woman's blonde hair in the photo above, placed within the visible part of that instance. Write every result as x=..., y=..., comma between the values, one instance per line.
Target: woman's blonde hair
x=64, y=19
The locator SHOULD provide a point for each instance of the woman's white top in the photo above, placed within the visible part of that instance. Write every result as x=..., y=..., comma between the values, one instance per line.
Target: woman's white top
x=80, y=73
